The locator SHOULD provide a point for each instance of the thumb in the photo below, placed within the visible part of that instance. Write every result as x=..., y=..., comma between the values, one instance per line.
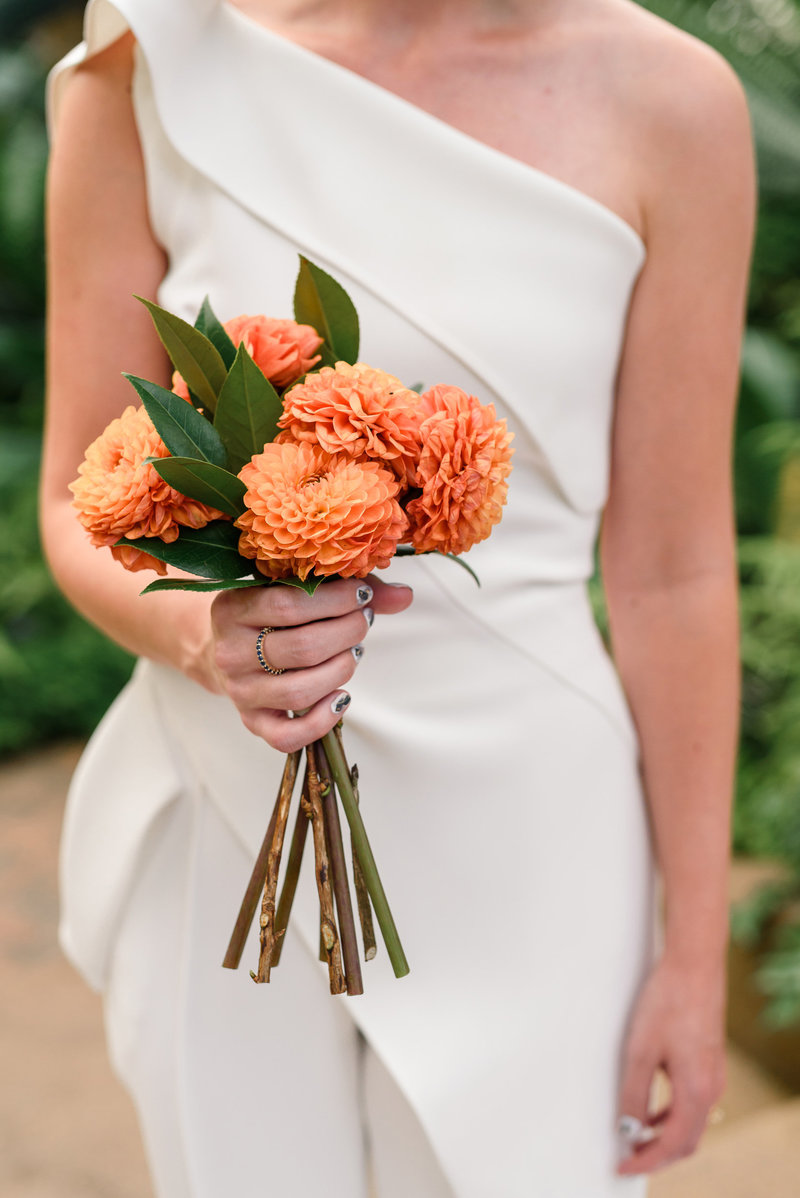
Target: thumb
x=634, y=1098
x=389, y=597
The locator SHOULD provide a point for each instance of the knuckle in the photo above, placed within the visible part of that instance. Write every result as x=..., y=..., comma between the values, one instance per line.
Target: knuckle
x=282, y=606
x=301, y=645
x=348, y=667
x=283, y=739
x=294, y=691
x=223, y=656
x=250, y=720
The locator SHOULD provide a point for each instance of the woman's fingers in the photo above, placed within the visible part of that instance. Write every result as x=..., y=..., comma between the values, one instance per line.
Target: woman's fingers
x=314, y=642
x=287, y=734
x=637, y=1080
x=289, y=606
x=296, y=689
x=695, y=1088
x=292, y=648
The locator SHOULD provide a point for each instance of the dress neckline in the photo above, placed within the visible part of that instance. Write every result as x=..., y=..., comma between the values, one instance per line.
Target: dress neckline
x=424, y=116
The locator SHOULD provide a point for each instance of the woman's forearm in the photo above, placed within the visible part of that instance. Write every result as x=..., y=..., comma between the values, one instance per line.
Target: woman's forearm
x=172, y=628
x=676, y=648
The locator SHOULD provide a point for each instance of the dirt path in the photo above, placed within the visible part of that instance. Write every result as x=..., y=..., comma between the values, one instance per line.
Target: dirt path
x=67, y=1128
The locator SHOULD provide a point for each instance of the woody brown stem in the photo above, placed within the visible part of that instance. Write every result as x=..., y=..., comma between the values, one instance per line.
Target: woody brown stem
x=292, y=874
x=267, y=918
x=258, y=876
x=330, y=935
x=362, y=894
x=341, y=889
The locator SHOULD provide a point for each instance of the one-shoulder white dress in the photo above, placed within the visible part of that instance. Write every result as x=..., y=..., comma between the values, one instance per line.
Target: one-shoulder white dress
x=498, y=758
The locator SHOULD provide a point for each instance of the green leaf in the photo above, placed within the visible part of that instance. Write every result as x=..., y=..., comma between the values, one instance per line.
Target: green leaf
x=248, y=410
x=184, y=431
x=191, y=352
x=309, y=585
x=323, y=303
x=208, y=324
x=219, y=584
x=204, y=482
x=211, y=552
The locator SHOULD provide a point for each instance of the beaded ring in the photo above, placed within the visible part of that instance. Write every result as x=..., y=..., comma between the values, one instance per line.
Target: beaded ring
x=260, y=653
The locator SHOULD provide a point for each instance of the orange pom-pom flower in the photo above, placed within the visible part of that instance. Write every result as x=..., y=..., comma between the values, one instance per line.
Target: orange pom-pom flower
x=463, y=470
x=283, y=349
x=118, y=494
x=308, y=510
x=357, y=410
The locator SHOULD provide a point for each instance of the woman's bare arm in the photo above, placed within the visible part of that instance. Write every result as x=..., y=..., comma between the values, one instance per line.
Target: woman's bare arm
x=668, y=561
x=101, y=250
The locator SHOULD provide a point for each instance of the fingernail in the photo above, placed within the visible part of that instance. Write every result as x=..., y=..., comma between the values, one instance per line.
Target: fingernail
x=364, y=594
x=399, y=586
x=358, y=652
x=340, y=702
x=369, y=615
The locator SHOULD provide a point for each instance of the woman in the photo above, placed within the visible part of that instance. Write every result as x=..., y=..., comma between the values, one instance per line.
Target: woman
x=521, y=201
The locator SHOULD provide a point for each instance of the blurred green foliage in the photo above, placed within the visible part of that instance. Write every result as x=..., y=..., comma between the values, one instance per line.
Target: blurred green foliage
x=57, y=674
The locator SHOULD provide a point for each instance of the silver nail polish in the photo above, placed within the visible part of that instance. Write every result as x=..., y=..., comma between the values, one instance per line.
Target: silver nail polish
x=340, y=702
x=364, y=594
x=370, y=615
x=358, y=652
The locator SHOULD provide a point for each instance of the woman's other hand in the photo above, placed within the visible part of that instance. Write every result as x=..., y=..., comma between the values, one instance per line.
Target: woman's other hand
x=678, y=1026
x=316, y=639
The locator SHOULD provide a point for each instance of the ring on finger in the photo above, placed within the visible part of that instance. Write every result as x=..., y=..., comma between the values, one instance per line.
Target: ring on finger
x=262, y=661
x=634, y=1130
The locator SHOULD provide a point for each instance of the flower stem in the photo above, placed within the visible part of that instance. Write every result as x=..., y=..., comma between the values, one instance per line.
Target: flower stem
x=299, y=836
x=341, y=889
x=267, y=918
x=258, y=877
x=330, y=935
x=341, y=776
x=362, y=894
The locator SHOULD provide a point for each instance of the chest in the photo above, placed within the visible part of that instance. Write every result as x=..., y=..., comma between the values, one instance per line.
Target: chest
x=542, y=99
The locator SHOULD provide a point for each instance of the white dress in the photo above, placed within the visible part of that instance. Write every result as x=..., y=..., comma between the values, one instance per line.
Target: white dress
x=497, y=754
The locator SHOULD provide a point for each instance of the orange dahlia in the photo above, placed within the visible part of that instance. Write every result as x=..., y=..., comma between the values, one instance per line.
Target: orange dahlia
x=357, y=410
x=283, y=349
x=310, y=510
x=118, y=494
x=463, y=471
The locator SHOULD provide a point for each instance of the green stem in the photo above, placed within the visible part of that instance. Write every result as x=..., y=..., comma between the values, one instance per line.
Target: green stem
x=341, y=776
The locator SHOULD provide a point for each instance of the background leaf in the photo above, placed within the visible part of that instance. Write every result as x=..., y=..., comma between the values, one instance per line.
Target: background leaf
x=211, y=552
x=206, y=483
x=191, y=352
x=323, y=303
x=248, y=410
x=183, y=430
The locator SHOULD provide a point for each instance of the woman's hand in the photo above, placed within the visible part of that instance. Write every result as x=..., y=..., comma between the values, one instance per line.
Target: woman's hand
x=317, y=640
x=678, y=1025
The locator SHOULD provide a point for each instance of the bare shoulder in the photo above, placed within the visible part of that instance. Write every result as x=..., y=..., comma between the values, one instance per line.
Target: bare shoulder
x=681, y=107
x=665, y=75
x=97, y=103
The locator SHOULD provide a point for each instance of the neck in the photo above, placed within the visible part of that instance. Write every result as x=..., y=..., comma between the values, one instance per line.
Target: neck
x=410, y=18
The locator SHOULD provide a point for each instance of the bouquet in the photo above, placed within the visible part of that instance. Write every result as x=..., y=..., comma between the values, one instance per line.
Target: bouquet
x=279, y=458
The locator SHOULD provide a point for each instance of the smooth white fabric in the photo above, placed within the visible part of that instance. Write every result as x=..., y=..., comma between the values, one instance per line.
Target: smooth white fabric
x=498, y=757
